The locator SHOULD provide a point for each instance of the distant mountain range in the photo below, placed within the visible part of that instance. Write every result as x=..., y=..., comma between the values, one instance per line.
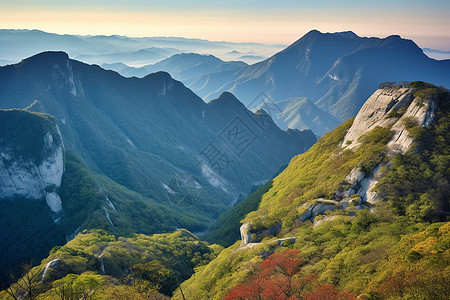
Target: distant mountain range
x=437, y=54
x=17, y=44
x=317, y=82
x=334, y=71
x=140, y=154
x=185, y=67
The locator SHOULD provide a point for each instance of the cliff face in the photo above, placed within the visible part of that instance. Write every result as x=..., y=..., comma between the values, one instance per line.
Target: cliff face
x=392, y=107
x=32, y=174
x=396, y=108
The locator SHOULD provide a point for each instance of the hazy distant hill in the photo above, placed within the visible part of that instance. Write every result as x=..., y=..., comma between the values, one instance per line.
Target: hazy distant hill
x=184, y=67
x=301, y=113
x=17, y=44
x=334, y=71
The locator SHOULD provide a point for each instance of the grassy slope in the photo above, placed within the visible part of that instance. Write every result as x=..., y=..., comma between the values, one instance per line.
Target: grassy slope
x=393, y=251
x=150, y=264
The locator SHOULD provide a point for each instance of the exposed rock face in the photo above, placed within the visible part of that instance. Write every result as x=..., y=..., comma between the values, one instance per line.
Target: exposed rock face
x=399, y=109
x=382, y=108
x=317, y=208
x=23, y=176
x=19, y=178
x=362, y=184
x=245, y=233
x=51, y=264
x=388, y=107
x=422, y=113
x=251, y=237
x=375, y=111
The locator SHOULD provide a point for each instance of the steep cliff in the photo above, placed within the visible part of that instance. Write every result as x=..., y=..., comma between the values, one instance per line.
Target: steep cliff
x=32, y=163
x=391, y=107
x=32, y=158
x=399, y=108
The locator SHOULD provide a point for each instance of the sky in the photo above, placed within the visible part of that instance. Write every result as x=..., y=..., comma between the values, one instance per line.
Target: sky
x=274, y=21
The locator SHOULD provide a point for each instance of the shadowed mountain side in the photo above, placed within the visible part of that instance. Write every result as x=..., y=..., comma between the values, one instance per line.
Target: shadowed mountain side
x=147, y=133
x=335, y=71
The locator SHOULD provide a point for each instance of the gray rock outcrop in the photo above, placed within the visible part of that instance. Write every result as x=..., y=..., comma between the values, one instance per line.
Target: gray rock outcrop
x=382, y=109
x=21, y=176
x=245, y=233
x=388, y=107
x=317, y=208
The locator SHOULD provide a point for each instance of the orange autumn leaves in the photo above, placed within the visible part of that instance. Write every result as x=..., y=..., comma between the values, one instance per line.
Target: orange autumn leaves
x=278, y=278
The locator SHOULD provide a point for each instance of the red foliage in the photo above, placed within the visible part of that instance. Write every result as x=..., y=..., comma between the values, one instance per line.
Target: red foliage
x=249, y=291
x=284, y=263
x=278, y=279
x=396, y=284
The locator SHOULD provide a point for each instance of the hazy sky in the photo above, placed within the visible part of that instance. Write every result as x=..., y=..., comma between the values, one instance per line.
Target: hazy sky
x=274, y=21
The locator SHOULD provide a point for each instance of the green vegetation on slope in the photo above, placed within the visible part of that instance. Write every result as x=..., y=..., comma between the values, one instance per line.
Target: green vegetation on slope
x=417, y=184
x=85, y=197
x=104, y=266
x=318, y=173
x=390, y=251
x=364, y=255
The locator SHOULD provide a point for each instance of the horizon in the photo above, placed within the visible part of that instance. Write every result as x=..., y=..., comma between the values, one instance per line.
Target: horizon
x=254, y=21
x=257, y=51
x=215, y=41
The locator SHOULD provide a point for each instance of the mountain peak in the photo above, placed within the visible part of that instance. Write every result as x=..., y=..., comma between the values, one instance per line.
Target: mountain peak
x=48, y=57
x=49, y=60
x=394, y=37
x=226, y=99
x=159, y=74
x=313, y=32
x=347, y=34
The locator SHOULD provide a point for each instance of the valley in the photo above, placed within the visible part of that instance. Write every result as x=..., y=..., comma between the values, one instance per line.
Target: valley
x=321, y=172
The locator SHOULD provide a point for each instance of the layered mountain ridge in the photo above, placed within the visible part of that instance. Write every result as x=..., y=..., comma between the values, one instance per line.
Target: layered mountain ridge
x=334, y=71
x=67, y=87
x=184, y=66
x=140, y=155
